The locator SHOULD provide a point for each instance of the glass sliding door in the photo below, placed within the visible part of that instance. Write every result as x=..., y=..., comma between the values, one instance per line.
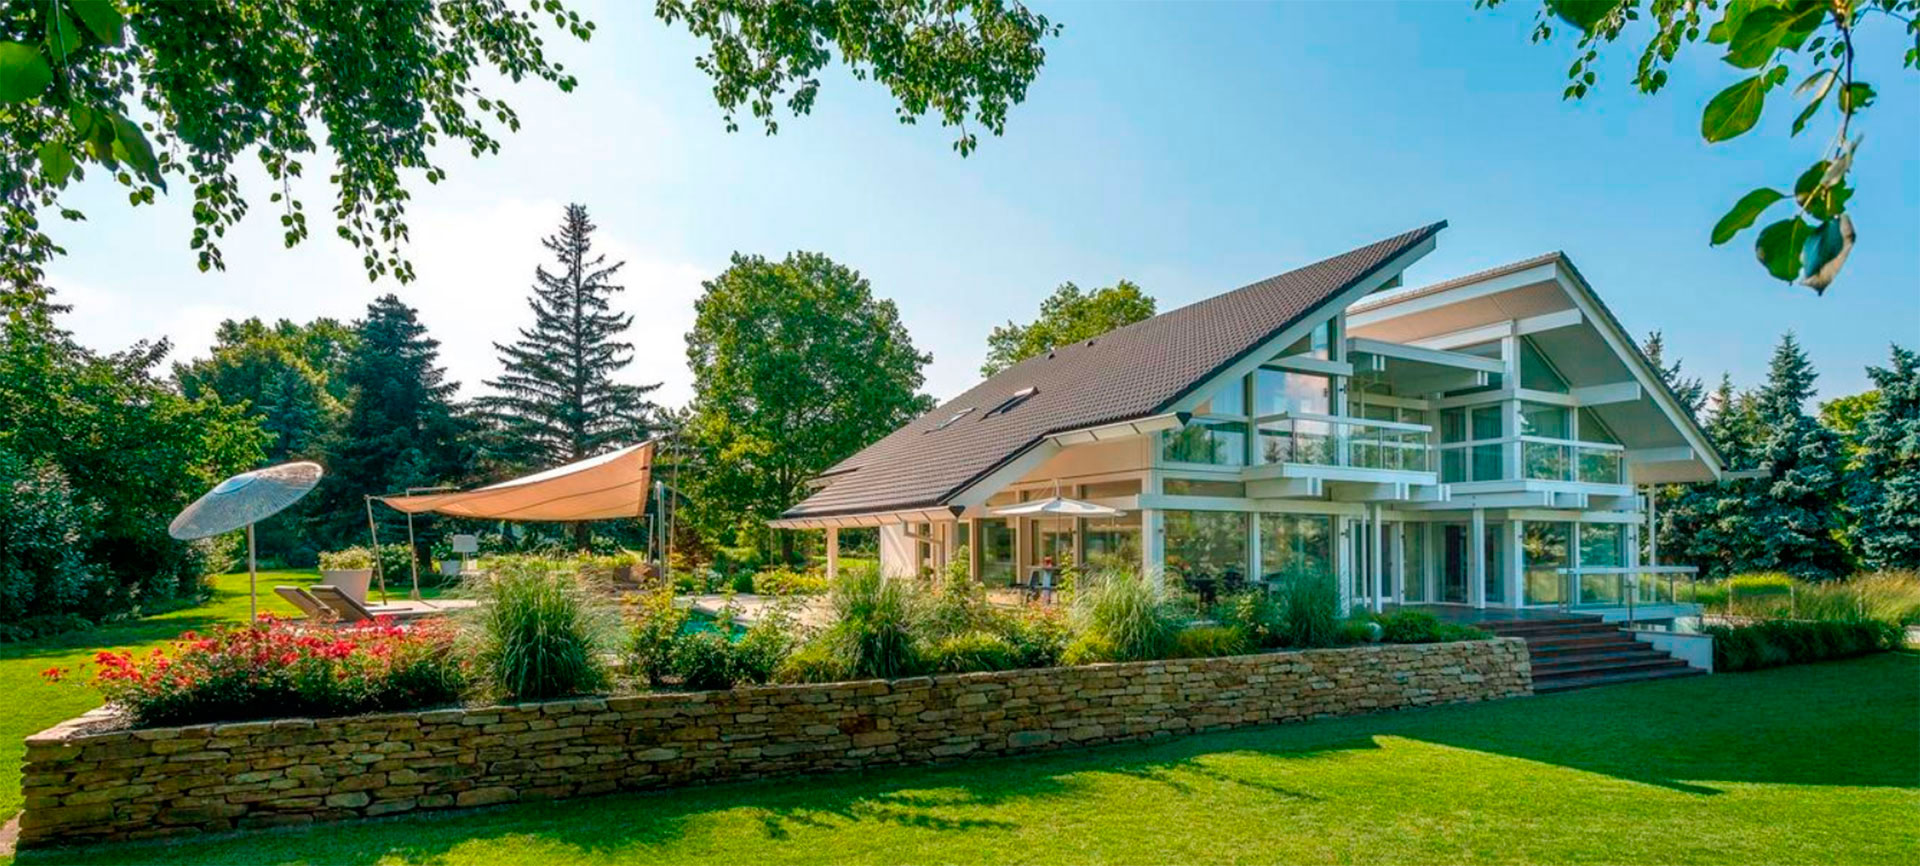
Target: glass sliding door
x=1455, y=567
x=1543, y=548
x=1413, y=565
x=996, y=552
x=1496, y=586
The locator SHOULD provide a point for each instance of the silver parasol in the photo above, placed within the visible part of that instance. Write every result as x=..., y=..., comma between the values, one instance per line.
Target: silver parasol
x=240, y=502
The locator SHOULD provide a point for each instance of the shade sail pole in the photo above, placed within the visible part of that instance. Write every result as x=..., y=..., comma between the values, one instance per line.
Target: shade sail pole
x=379, y=568
x=253, y=581
x=413, y=559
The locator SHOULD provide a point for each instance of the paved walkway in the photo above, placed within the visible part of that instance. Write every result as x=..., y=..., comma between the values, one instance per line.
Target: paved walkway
x=748, y=609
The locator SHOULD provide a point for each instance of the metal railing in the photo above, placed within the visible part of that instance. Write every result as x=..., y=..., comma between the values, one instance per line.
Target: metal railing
x=1629, y=586
x=1327, y=440
x=1544, y=459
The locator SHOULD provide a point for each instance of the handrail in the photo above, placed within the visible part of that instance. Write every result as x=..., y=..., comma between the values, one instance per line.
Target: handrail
x=1344, y=419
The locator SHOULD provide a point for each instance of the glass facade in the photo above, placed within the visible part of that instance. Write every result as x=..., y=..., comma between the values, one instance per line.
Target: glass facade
x=1296, y=545
x=1543, y=549
x=1277, y=391
x=996, y=552
x=1207, y=549
x=1413, y=567
x=1216, y=443
x=1536, y=373
x=1602, y=545
x=1202, y=487
x=1114, y=541
x=1496, y=585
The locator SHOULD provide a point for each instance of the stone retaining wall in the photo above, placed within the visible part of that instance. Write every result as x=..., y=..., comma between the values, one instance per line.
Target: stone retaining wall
x=82, y=783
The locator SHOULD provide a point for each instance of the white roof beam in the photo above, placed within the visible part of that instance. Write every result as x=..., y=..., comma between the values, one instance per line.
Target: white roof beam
x=1612, y=392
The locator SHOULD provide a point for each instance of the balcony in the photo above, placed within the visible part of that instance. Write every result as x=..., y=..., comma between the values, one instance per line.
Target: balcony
x=1327, y=440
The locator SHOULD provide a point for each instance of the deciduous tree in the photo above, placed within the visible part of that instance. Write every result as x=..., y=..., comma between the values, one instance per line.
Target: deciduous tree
x=1066, y=316
x=157, y=90
x=796, y=366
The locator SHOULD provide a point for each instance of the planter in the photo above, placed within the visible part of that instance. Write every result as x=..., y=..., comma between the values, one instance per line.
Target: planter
x=353, y=582
x=450, y=567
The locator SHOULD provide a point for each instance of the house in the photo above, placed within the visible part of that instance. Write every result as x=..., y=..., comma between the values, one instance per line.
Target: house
x=1481, y=442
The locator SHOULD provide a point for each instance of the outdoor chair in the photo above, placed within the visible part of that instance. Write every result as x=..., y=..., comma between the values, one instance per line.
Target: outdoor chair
x=341, y=604
x=308, y=605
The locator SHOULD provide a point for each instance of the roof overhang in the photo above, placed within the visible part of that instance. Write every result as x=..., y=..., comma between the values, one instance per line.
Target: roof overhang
x=869, y=519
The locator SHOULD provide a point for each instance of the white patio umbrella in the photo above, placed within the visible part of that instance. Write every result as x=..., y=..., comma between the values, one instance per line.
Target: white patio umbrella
x=1056, y=506
x=242, y=501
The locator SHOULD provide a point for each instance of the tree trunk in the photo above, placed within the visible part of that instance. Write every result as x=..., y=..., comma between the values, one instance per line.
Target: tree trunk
x=582, y=537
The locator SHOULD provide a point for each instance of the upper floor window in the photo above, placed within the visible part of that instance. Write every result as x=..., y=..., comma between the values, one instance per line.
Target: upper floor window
x=1008, y=404
x=950, y=421
x=1231, y=399
x=1318, y=343
x=1536, y=372
x=1278, y=391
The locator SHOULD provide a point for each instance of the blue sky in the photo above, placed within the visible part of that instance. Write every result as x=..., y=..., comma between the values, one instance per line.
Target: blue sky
x=1190, y=148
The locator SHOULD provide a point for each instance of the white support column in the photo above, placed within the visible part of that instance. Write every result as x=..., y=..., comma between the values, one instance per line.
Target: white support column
x=1653, y=528
x=1571, y=590
x=1153, y=544
x=1477, y=559
x=1399, y=576
x=1377, y=565
x=833, y=552
x=1516, y=558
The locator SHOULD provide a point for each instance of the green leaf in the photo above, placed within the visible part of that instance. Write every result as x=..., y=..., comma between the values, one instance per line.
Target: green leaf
x=1822, y=191
x=1584, y=14
x=138, y=151
x=62, y=35
x=1824, y=80
x=1736, y=109
x=56, y=162
x=1826, y=252
x=1758, y=37
x=1729, y=24
x=1779, y=247
x=103, y=18
x=1744, y=212
x=24, y=73
x=1856, y=96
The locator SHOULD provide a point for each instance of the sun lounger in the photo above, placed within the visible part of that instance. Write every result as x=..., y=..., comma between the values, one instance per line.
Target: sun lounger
x=342, y=604
x=307, y=604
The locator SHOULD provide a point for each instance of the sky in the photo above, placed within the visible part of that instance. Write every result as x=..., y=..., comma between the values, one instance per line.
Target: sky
x=1191, y=148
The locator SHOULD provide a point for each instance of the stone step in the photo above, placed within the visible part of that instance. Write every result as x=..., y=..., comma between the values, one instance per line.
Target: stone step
x=1562, y=684
x=1637, y=652
x=1579, y=668
x=1581, y=643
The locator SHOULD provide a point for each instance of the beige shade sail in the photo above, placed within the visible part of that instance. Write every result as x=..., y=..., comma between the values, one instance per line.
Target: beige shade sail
x=609, y=486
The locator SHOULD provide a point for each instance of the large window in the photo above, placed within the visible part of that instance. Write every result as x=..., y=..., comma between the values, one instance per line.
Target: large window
x=1203, y=487
x=1278, y=391
x=996, y=552
x=1544, y=547
x=1207, y=549
x=1546, y=461
x=1296, y=545
x=1536, y=373
x=1219, y=443
x=1598, y=465
x=1114, y=542
x=1602, y=545
x=1496, y=585
x=1413, y=575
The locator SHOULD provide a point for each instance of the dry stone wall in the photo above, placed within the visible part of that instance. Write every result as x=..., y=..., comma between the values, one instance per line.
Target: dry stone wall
x=83, y=783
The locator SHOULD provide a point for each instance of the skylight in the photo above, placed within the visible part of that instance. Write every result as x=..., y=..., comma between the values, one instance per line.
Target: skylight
x=949, y=422
x=1008, y=404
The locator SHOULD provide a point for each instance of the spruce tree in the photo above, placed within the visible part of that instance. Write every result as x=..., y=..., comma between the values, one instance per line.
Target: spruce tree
x=557, y=401
x=403, y=429
x=1796, y=519
x=1691, y=391
x=1885, y=491
x=1710, y=525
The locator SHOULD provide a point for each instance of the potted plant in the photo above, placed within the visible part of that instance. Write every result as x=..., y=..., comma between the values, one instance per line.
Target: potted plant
x=350, y=570
x=449, y=561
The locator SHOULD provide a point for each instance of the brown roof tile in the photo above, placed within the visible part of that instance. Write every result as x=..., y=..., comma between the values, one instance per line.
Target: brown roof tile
x=1132, y=372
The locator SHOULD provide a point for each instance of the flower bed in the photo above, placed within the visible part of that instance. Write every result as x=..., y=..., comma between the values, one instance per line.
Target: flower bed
x=275, y=669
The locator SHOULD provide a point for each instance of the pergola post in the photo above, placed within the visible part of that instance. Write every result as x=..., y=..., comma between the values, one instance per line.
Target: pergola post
x=833, y=553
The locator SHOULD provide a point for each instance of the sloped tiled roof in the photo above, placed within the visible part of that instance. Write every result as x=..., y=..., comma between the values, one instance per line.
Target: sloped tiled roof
x=1133, y=372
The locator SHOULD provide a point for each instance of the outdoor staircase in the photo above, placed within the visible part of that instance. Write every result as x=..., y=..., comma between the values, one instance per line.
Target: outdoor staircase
x=1574, y=652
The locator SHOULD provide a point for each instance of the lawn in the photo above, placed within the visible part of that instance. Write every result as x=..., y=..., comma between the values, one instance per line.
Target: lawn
x=33, y=705
x=1819, y=763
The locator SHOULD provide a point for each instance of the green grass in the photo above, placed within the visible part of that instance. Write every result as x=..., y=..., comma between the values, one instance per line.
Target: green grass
x=33, y=705
x=1818, y=763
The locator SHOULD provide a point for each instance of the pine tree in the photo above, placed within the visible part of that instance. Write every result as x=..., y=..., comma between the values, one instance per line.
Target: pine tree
x=1796, y=519
x=1691, y=391
x=403, y=429
x=557, y=401
x=1885, y=490
x=1710, y=525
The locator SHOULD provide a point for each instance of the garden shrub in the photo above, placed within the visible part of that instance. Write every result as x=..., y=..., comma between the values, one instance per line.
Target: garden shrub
x=45, y=578
x=1781, y=642
x=273, y=669
x=540, y=634
x=1038, y=634
x=656, y=627
x=1418, y=626
x=1887, y=596
x=786, y=581
x=742, y=583
x=704, y=660
x=1088, y=648
x=816, y=661
x=1357, y=630
x=1128, y=611
x=1208, y=641
x=1255, y=613
x=958, y=604
x=971, y=651
x=1309, y=611
x=347, y=559
x=874, y=619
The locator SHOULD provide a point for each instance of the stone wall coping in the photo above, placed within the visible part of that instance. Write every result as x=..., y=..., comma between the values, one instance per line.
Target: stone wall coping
x=91, y=727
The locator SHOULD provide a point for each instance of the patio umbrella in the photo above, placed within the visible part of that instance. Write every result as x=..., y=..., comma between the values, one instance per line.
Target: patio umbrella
x=1056, y=506
x=242, y=501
